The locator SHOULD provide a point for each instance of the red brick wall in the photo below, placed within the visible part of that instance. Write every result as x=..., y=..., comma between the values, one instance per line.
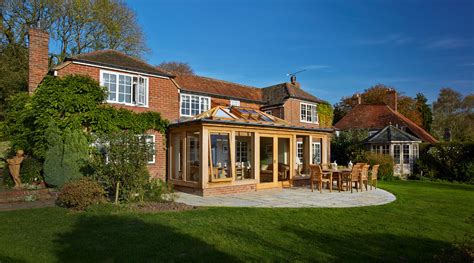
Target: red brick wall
x=229, y=189
x=163, y=98
x=226, y=102
x=38, y=59
x=292, y=114
x=277, y=112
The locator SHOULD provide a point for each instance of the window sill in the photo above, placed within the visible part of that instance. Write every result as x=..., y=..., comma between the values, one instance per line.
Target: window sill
x=127, y=104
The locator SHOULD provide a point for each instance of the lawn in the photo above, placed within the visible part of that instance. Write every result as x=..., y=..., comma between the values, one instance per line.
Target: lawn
x=424, y=221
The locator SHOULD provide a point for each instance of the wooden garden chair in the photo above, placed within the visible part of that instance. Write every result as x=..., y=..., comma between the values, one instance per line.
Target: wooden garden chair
x=354, y=177
x=373, y=176
x=318, y=176
x=364, y=177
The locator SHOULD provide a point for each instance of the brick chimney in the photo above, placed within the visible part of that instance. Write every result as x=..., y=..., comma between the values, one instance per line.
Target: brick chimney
x=293, y=82
x=38, y=59
x=392, y=100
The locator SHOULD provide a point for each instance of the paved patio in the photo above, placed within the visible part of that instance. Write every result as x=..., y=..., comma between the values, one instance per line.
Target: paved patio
x=292, y=197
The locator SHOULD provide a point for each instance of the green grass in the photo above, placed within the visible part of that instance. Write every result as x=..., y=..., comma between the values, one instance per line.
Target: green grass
x=424, y=221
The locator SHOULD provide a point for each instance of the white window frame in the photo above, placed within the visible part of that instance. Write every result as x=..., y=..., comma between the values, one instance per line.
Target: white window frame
x=147, y=137
x=299, y=145
x=200, y=103
x=134, y=90
x=235, y=103
x=314, y=152
x=314, y=110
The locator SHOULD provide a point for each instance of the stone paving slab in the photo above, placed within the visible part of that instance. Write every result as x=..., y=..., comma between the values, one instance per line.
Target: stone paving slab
x=291, y=197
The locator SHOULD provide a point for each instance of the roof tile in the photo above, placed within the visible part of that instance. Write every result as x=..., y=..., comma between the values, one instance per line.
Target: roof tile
x=378, y=116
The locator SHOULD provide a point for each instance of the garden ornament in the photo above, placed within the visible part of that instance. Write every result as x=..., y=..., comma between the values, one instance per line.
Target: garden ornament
x=14, y=166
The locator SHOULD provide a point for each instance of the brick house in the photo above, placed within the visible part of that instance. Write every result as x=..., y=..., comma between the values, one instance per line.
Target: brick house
x=139, y=86
x=401, y=135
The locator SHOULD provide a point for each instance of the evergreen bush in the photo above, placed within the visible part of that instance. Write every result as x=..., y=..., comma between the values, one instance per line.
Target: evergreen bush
x=66, y=155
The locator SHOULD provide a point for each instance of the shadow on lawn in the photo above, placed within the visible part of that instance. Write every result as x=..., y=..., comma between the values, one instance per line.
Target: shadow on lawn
x=302, y=244
x=111, y=238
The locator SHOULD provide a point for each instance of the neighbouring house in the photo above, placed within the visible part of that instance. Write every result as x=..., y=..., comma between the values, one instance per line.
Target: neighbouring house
x=383, y=119
x=402, y=146
x=283, y=119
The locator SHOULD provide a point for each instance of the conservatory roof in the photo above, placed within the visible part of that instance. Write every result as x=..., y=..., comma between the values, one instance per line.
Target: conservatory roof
x=391, y=134
x=234, y=115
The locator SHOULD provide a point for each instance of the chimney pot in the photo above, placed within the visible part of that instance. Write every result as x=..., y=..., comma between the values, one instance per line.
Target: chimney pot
x=293, y=79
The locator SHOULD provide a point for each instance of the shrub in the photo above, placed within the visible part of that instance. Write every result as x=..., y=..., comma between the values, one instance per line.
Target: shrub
x=447, y=161
x=66, y=155
x=347, y=146
x=157, y=190
x=385, y=161
x=81, y=193
x=121, y=158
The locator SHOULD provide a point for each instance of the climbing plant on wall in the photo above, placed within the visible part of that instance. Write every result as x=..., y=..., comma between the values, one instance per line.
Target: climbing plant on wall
x=72, y=102
x=325, y=115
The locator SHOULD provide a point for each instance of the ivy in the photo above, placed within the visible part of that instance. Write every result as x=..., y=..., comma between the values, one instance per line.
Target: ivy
x=73, y=102
x=325, y=115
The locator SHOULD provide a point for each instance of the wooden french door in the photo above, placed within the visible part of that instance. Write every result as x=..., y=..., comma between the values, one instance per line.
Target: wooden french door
x=275, y=160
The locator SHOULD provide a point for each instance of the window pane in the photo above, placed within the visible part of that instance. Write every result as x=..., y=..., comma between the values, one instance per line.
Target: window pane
x=204, y=104
x=193, y=163
x=243, y=156
x=220, y=156
x=110, y=82
x=150, y=140
x=195, y=105
x=176, y=156
x=185, y=107
x=396, y=153
x=316, y=153
x=406, y=153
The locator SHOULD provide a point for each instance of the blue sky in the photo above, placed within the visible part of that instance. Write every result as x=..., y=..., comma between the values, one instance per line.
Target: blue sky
x=345, y=46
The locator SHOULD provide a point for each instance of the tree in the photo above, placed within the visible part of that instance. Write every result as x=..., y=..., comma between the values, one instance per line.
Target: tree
x=424, y=110
x=120, y=164
x=66, y=155
x=13, y=72
x=76, y=26
x=454, y=113
x=378, y=94
x=177, y=67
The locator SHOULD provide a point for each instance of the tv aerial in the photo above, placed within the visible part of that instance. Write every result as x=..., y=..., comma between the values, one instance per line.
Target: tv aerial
x=294, y=73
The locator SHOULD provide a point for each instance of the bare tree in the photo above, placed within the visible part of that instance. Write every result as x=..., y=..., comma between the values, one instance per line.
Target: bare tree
x=177, y=67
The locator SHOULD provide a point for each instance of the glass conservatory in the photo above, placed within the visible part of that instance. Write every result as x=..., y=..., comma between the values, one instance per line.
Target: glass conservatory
x=236, y=149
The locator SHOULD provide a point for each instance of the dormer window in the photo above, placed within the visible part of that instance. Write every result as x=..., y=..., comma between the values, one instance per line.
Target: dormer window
x=125, y=88
x=308, y=113
x=235, y=103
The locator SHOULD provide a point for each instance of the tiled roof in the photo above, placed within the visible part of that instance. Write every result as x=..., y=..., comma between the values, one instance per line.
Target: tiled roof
x=391, y=134
x=218, y=88
x=277, y=94
x=378, y=116
x=117, y=59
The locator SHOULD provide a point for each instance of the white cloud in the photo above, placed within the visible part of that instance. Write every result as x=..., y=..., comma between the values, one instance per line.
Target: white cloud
x=392, y=39
x=447, y=43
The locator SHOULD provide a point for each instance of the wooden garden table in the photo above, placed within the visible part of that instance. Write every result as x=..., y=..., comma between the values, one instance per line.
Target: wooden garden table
x=339, y=174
